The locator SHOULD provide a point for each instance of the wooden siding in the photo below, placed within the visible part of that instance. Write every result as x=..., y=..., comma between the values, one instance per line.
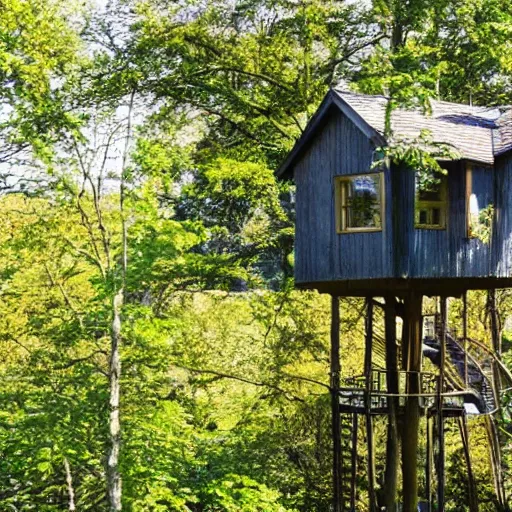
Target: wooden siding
x=440, y=253
x=502, y=233
x=399, y=251
x=339, y=148
x=474, y=256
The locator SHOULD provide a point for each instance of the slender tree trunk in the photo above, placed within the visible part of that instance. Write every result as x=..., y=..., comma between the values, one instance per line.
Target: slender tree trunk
x=392, y=443
x=113, y=473
x=69, y=485
x=412, y=410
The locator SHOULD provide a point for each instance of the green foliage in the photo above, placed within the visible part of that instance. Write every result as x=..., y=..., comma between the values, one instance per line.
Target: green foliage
x=39, y=52
x=421, y=155
x=443, y=49
x=255, y=69
x=481, y=228
x=239, y=205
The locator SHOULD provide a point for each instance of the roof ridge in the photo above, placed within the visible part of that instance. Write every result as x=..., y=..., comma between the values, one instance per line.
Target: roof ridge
x=432, y=100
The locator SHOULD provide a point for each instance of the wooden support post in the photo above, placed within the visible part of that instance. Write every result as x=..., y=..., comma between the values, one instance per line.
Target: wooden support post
x=495, y=451
x=368, y=403
x=496, y=340
x=464, y=434
x=497, y=347
x=440, y=417
x=495, y=322
x=353, y=466
x=335, y=405
x=428, y=465
x=389, y=489
x=410, y=431
x=465, y=336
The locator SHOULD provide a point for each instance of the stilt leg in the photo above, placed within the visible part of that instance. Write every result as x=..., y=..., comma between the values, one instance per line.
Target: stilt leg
x=472, y=498
x=440, y=418
x=335, y=405
x=392, y=444
x=412, y=341
x=353, y=466
x=368, y=400
x=494, y=446
x=495, y=325
x=428, y=465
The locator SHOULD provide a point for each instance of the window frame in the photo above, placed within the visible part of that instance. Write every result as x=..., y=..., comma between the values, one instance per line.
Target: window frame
x=341, y=215
x=442, y=204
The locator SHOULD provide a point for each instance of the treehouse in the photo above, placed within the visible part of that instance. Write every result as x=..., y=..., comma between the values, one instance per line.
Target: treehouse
x=364, y=226
x=372, y=221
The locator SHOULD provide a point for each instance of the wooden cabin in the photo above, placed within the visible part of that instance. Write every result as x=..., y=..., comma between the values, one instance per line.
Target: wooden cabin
x=365, y=228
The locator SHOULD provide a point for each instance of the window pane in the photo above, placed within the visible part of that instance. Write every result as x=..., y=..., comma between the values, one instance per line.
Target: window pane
x=436, y=216
x=430, y=202
x=363, y=202
x=423, y=217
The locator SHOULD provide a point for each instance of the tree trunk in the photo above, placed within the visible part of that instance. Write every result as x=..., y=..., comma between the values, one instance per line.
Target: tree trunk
x=114, y=481
x=69, y=485
x=389, y=492
x=113, y=473
x=412, y=342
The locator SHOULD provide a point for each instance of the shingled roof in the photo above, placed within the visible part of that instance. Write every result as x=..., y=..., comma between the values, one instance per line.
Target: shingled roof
x=475, y=133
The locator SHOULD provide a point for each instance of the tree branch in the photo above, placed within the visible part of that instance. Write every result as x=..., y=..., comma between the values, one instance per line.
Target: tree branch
x=223, y=375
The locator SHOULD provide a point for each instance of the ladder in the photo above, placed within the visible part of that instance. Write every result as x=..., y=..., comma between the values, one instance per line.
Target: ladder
x=348, y=424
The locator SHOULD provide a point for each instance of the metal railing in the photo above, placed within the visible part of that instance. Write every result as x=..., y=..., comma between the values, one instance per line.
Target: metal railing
x=353, y=389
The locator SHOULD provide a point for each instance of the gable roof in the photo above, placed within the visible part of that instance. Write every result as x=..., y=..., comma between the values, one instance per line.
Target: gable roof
x=475, y=133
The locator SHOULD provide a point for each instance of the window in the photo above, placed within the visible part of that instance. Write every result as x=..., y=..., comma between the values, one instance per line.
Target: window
x=431, y=203
x=479, y=206
x=359, y=202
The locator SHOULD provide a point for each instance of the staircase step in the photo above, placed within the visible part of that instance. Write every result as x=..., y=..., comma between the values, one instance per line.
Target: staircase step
x=479, y=383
